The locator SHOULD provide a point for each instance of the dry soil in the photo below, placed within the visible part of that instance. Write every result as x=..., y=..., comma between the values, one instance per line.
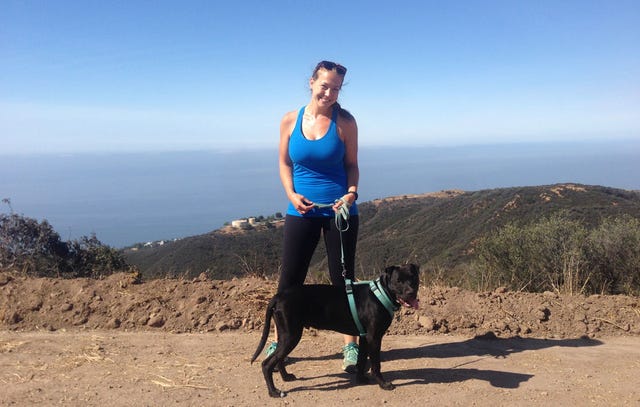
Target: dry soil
x=120, y=342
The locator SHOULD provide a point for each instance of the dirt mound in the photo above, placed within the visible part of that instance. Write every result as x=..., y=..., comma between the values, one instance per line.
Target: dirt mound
x=120, y=302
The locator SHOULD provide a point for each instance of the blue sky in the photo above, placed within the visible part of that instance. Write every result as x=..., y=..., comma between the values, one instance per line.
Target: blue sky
x=116, y=76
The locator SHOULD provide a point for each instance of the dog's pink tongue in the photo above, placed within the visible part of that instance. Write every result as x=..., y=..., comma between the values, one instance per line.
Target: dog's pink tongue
x=415, y=303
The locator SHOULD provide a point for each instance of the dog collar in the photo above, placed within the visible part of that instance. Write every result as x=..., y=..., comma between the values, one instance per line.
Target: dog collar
x=382, y=296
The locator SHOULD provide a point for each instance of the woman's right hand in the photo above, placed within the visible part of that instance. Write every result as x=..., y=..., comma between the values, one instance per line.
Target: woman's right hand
x=300, y=203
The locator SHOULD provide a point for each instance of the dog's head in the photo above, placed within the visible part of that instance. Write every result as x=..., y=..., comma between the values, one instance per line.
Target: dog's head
x=403, y=282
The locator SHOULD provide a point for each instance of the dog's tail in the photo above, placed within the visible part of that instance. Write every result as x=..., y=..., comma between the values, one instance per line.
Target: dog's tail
x=266, y=329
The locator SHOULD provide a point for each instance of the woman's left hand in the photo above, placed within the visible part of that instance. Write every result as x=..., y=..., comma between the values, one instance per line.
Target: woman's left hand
x=347, y=199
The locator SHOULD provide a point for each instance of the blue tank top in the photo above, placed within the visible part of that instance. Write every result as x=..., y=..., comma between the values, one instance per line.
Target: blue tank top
x=318, y=168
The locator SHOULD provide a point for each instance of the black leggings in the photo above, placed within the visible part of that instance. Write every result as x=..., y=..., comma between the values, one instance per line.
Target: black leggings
x=301, y=236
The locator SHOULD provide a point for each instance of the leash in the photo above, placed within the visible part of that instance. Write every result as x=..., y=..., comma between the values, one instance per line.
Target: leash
x=342, y=224
x=341, y=219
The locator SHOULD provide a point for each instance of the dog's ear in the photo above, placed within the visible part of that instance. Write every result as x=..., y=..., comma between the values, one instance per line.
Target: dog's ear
x=389, y=270
x=415, y=269
x=385, y=277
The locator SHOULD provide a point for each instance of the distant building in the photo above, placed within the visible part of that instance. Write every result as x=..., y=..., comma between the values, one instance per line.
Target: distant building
x=240, y=224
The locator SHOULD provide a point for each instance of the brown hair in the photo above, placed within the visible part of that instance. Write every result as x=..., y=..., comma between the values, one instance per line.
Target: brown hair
x=329, y=66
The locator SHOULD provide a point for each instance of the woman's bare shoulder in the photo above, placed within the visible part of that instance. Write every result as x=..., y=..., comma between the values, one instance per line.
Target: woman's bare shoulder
x=346, y=115
x=288, y=122
x=346, y=121
x=289, y=118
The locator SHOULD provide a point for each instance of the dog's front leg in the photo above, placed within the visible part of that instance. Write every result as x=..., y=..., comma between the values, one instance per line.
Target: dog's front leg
x=374, y=355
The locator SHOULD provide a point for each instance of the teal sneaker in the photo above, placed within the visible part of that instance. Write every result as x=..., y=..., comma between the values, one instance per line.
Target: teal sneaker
x=270, y=349
x=350, y=353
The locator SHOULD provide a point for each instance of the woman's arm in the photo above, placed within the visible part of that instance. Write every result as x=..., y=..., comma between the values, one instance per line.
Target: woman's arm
x=300, y=203
x=349, y=132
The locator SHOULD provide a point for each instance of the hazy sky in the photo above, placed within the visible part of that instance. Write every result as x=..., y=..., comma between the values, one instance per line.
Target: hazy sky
x=183, y=75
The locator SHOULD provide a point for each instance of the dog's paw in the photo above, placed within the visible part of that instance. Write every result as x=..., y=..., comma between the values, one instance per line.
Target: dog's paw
x=277, y=394
x=387, y=386
x=289, y=377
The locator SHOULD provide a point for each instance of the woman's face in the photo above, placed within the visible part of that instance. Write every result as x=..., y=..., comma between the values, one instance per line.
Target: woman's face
x=326, y=87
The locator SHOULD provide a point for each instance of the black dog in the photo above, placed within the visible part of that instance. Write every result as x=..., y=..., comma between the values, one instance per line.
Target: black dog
x=327, y=307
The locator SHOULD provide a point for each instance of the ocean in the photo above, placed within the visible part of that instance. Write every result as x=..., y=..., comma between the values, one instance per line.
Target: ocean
x=139, y=197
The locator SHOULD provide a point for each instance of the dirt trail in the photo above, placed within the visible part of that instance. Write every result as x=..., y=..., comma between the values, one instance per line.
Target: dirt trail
x=119, y=342
x=92, y=368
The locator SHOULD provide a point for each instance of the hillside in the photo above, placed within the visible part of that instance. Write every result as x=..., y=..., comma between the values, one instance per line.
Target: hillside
x=436, y=230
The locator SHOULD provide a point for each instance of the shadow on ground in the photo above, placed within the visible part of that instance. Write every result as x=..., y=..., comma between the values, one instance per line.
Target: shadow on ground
x=484, y=346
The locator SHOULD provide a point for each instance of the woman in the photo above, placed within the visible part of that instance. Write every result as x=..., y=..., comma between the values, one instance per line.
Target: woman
x=318, y=159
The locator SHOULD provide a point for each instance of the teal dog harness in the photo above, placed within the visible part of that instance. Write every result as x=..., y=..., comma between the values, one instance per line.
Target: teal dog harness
x=379, y=292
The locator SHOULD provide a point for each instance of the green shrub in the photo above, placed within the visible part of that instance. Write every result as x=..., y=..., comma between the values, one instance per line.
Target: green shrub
x=613, y=255
x=29, y=245
x=562, y=255
x=91, y=258
x=34, y=248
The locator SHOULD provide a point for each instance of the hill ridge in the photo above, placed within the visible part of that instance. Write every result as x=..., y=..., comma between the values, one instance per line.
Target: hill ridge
x=435, y=228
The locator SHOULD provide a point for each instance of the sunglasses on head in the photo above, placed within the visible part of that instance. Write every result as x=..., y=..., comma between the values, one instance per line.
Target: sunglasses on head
x=330, y=66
